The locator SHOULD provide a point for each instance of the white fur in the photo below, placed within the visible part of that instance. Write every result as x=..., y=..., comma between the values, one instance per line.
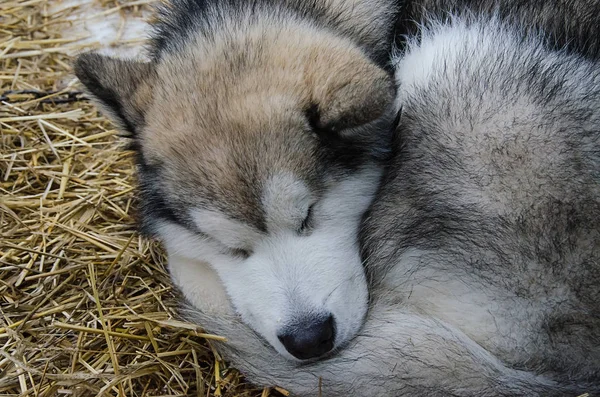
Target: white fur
x=229, y=232
x=288, y=275
x=454, y=297
x=199, y=282
x=438, y=49
x=286, y=201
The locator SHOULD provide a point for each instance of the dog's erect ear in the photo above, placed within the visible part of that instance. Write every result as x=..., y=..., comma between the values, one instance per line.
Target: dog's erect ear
x=348, y=90
x=121, y=88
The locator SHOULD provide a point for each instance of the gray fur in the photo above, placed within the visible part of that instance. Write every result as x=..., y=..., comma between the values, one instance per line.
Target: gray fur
x=483, y=244
x=570, y=24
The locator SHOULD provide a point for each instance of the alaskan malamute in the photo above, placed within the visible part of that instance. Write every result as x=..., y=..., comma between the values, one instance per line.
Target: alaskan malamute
x=483, y=242
x=258, y=127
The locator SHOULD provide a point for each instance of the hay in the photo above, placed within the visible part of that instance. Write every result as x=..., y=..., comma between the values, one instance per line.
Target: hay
x=86, y=307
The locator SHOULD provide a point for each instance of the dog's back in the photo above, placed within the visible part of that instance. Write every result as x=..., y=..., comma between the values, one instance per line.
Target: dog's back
x=570, y=24
x=494, y=194
x=484, y=242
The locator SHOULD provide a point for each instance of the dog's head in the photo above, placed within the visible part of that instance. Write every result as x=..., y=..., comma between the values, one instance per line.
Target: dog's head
x=255, y=156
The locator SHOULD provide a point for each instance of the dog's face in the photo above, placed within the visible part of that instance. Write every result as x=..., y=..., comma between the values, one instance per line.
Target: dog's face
x=259, y=164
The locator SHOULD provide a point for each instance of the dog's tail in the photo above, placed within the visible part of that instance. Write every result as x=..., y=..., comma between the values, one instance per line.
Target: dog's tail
x=397, y=353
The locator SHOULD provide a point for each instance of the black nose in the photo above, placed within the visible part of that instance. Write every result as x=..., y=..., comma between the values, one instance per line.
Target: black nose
x=309, y=338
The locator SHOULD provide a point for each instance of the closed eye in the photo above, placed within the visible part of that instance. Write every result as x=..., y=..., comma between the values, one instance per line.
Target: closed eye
x=240, y=252
x=237, y=252
x=306, y=224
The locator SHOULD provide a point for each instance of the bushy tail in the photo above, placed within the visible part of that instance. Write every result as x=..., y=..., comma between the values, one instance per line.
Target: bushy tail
x=397, y=353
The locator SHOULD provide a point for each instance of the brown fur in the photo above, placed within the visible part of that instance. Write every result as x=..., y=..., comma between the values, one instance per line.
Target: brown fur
x=363, y=20
x=217, y=118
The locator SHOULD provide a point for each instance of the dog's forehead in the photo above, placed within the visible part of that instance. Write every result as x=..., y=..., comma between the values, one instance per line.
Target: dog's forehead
x=222, y=152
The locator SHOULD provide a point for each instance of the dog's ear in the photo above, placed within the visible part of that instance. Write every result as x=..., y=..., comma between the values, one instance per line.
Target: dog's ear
x=348, y=90
x=121, y=88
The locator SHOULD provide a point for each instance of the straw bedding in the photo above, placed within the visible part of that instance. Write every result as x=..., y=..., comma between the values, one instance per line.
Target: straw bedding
x=86, y=306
